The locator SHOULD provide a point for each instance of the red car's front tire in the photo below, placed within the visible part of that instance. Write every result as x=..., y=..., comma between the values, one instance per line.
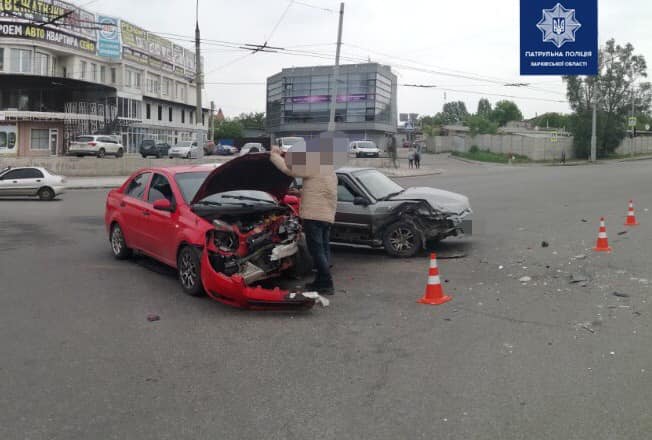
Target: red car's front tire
x=118, y=243
x=189, y=269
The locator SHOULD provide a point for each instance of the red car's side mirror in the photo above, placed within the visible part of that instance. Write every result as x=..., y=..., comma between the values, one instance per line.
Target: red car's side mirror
x=163, y=205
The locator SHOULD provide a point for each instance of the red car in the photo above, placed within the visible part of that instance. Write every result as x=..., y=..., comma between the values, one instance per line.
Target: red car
x=230, y=231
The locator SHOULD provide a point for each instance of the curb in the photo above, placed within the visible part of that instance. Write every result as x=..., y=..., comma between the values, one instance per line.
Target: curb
x=428, y=173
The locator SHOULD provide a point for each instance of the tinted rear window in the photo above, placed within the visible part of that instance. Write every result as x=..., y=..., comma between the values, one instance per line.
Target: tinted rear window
x=85, y=139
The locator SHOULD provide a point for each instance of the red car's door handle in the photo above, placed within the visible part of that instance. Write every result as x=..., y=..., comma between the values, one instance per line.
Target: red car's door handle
x=146, y=213
x=123, y=204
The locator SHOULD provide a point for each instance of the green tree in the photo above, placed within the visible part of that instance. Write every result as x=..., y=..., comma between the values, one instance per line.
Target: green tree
x=552, y=120
x=453, y=112
x=613, y=89
x=255, y=121
x=481, y=125
x=506, y=111
x=484, y=108
x=228, y=129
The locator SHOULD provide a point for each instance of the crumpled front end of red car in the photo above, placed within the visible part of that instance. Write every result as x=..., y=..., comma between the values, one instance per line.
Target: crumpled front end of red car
x=242, y=258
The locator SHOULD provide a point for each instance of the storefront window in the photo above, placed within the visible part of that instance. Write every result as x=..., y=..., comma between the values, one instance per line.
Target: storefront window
x=39, y=139
x=21, y=61
x=2, y=59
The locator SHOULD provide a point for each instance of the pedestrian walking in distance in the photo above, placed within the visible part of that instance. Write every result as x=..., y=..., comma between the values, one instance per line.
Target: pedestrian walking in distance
x=411, y=155
x=417, y=155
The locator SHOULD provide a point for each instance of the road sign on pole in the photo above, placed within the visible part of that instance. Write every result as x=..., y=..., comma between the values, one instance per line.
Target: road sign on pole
x=631, y=121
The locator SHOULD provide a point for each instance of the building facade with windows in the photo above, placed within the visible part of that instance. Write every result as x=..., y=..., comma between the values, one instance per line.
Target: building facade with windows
x=298, y=101
x=85, y=73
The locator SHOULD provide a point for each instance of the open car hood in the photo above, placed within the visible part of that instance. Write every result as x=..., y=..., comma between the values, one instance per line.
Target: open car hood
x=251, y=171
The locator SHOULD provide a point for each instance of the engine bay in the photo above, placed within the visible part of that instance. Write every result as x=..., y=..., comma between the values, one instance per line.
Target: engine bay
x=255, y=245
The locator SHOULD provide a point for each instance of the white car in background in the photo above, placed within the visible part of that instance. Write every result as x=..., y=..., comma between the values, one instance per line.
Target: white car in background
x=96, y=145
x=364, y=149
x=185, y=149
x=31, y=182
x=252, y=147
x=285, y=143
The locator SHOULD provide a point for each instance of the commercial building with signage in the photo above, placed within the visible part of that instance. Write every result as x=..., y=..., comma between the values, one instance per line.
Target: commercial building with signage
x=66, y=71
x=298, y=101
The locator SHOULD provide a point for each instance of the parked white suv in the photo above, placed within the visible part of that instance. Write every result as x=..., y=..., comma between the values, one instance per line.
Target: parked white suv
x=96, y=145
x=364, y=149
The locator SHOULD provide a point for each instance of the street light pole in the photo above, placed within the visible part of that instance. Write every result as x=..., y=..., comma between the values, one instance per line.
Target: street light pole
x=336, y=72
x=594, y=137
x=198, y=76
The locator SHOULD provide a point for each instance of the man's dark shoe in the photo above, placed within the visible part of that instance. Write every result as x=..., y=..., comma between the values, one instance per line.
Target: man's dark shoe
x=320, y=288
x=326, y=291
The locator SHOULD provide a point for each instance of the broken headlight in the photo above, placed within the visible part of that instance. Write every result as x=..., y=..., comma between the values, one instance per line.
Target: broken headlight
x=225, y=241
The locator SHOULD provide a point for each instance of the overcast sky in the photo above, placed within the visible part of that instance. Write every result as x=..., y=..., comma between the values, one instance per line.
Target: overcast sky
x=470, y=38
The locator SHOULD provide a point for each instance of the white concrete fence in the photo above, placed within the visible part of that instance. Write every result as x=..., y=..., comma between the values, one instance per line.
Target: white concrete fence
x=534, y=147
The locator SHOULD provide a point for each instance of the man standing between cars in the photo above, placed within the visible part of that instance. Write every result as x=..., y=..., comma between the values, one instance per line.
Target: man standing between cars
x=392, y=149
x=318, y=205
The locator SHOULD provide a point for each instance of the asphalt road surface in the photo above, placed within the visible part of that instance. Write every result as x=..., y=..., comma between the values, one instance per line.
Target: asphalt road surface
x=541, y=359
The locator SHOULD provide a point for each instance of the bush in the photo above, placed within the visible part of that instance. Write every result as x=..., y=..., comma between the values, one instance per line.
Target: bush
x=474, y=149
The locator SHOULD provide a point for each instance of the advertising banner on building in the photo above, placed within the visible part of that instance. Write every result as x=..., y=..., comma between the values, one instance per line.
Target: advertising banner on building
x=179, y=64
x=108, y=38
x=23, y=30
x=34, y=10
x=134, y=55
x=559, y=38
x=316, y=99
x=159, y=48
x=133, y=36
x=71, y=21
x=79, y=22
x=189, y=63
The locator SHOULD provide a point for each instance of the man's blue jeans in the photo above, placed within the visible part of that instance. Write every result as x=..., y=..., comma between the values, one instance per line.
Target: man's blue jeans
x=318, y=235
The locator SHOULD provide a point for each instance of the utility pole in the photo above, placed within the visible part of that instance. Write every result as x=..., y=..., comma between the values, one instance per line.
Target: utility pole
x=198, y=78
x=336, y=72
x=594, y=137
x=633, y=115
x=211, y=122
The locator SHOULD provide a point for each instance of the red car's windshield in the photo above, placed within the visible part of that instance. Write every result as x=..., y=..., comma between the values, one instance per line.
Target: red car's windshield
x=189, y=183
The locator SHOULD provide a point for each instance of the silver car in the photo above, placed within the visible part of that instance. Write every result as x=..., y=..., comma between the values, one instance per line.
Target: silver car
x=31, y=182
x=184, y=149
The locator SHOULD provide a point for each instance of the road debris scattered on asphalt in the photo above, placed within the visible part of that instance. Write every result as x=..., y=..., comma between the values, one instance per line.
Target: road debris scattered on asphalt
x=525, y=279
x=580, y=257
x=622, y=233
x=152, y=317
x=585, y=326
x=545, y=244
x=620, y=294
x=579, y=278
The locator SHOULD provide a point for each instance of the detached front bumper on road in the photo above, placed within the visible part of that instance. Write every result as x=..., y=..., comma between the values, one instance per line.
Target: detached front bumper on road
x=233, y=290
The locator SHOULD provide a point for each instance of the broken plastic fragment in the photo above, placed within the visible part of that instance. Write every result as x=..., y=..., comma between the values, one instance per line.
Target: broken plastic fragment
x=317, y=297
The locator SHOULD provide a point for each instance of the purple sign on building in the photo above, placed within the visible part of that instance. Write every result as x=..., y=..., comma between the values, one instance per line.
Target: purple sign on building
x=315, y=99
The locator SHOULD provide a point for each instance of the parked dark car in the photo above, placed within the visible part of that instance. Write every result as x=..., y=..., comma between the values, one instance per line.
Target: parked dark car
x=374, y=210
x=150, y=147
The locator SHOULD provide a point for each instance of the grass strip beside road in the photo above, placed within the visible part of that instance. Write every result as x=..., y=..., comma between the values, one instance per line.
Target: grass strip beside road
x=488, y=156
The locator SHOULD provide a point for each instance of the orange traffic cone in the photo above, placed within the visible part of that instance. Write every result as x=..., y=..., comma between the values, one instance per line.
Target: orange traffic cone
x=602, y=244
x=434, y=293
x=631, y=217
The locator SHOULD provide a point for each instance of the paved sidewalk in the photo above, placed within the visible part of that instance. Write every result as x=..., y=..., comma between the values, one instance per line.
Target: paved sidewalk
x=115, y=182
x=94, y=182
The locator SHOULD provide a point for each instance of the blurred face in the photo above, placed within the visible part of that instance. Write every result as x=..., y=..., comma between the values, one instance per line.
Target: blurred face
x=322, y=155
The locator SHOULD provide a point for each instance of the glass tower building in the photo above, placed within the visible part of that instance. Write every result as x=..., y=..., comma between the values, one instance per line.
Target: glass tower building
x=298, y=101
